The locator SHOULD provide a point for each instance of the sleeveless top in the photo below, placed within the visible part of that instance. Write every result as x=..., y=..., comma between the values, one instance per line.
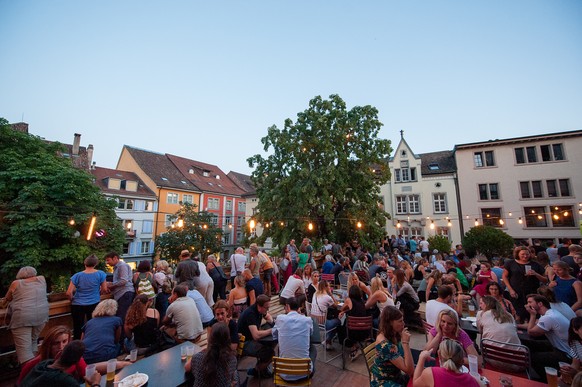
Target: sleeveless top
x=417, y=273
x=29, y=304
x=145, y=334
x=445, y=378
x=381, y=305
x=565, y=291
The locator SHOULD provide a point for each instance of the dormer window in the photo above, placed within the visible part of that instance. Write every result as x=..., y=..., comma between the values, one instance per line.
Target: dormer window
x=113, y=183
x=217, y=177
x=433, y=167
x=191, y=171
x=206, y=173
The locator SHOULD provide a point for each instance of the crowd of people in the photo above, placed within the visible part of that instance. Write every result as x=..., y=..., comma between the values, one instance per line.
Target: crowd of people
x=537, y=291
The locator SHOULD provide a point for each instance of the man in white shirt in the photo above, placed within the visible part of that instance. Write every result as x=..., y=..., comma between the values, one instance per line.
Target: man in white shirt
x=237, y=264
x=293, y=331
x=423, y=244
x=434, y=307
x=554, y=326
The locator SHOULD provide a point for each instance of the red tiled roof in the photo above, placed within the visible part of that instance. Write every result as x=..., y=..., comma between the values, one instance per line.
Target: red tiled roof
x=101, y=174
x=244, y=182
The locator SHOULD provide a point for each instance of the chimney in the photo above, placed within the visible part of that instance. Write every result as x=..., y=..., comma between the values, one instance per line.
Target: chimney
x=20, y=127
x=76, y=144
x=90, y=155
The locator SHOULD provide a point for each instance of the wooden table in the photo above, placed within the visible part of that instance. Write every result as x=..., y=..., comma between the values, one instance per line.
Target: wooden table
x=163, y=369
x=518, y=381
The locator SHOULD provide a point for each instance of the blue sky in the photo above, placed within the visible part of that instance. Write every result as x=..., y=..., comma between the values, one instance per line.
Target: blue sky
x=205, y=80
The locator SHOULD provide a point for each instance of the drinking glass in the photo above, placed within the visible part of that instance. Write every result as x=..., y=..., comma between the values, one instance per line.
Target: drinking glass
x=473, y=365
x=183, y=352
x=111, y=366
x=133, y=355
x=552, y=376
x=189, y=352
x=89, y=372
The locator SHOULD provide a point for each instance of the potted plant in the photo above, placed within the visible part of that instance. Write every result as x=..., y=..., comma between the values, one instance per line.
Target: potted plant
x=59, y=289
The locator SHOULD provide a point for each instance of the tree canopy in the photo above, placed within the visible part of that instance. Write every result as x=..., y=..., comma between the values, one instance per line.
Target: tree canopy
x=488, y=241
x=326, y=168
x=40, y=193
x=192, y=230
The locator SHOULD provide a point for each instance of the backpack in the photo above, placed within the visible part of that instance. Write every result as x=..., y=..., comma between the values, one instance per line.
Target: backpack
x=144, y=285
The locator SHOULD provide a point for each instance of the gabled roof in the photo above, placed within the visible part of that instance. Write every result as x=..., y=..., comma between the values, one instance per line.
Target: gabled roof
x=437, y=163
x=207, y=177
x=244, y=182
x=102, y=174
x=160, y=169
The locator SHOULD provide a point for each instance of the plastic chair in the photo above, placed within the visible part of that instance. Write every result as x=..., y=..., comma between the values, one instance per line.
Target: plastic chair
x=343, y=280
x=239, y=354
x=496, y=353
x=370, y=356
x=296, y=367
x=356, y=324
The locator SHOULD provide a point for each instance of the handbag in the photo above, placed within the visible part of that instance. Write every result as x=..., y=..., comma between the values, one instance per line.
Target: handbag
x=218, y=274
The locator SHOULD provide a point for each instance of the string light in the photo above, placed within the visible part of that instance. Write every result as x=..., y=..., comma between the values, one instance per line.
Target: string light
x=510, y=214
x=450, y=224
x=432, y=225
x=501, y=222
x=252, y=224
x=476, y=222
x=128, y=225
x=180, y=223
x=398, y=225
x=359, y=224
x=310, y=226
x=520, y=221
x=72, y=222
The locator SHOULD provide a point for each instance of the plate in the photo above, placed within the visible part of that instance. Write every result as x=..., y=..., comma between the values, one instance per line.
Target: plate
x=135, y=380
x=472, y=319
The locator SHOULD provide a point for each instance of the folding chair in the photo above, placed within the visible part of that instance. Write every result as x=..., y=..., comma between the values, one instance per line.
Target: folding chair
x=356, y=324
x=321, y=321
x=343, y=280
x=329, y=278
x=370, y=356
x=295, y=367
x=497, y=354
x=239, y=355
x=308, y=308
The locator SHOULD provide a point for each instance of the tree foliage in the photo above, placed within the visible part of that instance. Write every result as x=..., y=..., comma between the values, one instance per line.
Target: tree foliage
x=488, y=241
x=326, y=168
x=197, y=234
x=40, y=192
x=439, y=242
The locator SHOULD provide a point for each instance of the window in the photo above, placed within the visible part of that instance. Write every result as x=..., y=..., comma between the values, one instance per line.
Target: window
x=242, y=206
x=149, y=205
x=402, y=175
x=227, y=220
x=535, y=217
x=239, y=221
x=553, y=152
x=408, y=204
x=213, y=203
x=238, y=236
x=525, y=191
x=484, y=159
x=226, y=239
x=519, y=156
x=169, y=220
x=554, y=188
x=444, y=231
x=433, y=167
x=489, y=191
x=214, y=220
x=439, y=203
x=172, y=198
x=536, y=188
x=125, y=204
x=562, y=216
x=532, y=156
x=125, y=249
x=229, y=205
x=147, y=226
x=564, y=187
x=145, y=247
x=187, y=198
x=128, y=225
x=491, y=217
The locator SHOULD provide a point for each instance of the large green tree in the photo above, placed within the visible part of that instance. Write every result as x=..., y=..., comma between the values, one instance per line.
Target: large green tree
x=191, y=230
x=326, y=168
x=40, y=192
x=488, y=241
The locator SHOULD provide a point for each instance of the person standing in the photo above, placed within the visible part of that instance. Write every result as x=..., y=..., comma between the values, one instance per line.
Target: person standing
x=204, y=283
x=216, y=272
x=187, y=269
x=293, y=254
x=30, y=311
x=122, y=285
x=254, y=265
x=83, y=292
x=237, y=264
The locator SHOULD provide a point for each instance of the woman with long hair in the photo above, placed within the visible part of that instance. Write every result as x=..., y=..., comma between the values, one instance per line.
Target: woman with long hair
x=165, y=282
x=223, y=314
x=393, y=364
x=493, y=289
x=142, y=323
x=322, y=301
x=433, y=281
x=381, y=297
x=354, y=280
x=484, y=276
x=216, y=272
x=354, y=306
x=83, y=292
x=101, y=334
x=567, y=288
x=575, y=343
x=451, y=355
x=307, y=271
x=408, y=271
x=238, y=297
x=216, y=365
x=404, y=293
x=312, y=288
x=495, y=323
x=447, y=327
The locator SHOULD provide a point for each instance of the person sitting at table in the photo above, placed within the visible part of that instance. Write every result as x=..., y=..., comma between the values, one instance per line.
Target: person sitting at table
x=182, y=321
x=141, y=325
x=249, y=324
x=493, y=289
x=253, y=286
x=215, y=365
x=404, y=293
x=293, y=288
x=393, y=364
x=443, y=301
x=452, y=356
x=554, y=326
x=206, y=314
x=431, y=291
x=484, y=276
x=561, y=307
x=380, y=298
x=354, y=280
x=575, y=343
x=354, y=306
x=54, y=372
x=222, y=314
x=293, y=332
x=566, y=288
x=53, y=343
x=452, y=268
x=102, y=333
x=312, y=288
x=323, y=300
x=238, y=297
x=448, y=328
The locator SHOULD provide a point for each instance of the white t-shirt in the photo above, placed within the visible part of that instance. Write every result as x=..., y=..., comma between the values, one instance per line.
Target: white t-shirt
x=555, y=325
x=433, y=308
x=320, y=304
x=293, y=285
x=423, y=246
x=237, y=261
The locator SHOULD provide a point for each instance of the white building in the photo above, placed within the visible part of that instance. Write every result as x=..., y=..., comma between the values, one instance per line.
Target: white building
x=421, y=194
x=136, y=209
x=531, y=187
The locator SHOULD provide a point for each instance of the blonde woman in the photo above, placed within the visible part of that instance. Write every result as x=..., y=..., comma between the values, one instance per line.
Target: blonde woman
x=354, y=280
x=238, y=297
x=322, y=301
x=380, y=297
x=165, y=281
x=101, y=334
x=408, y=271
x=451, y=357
